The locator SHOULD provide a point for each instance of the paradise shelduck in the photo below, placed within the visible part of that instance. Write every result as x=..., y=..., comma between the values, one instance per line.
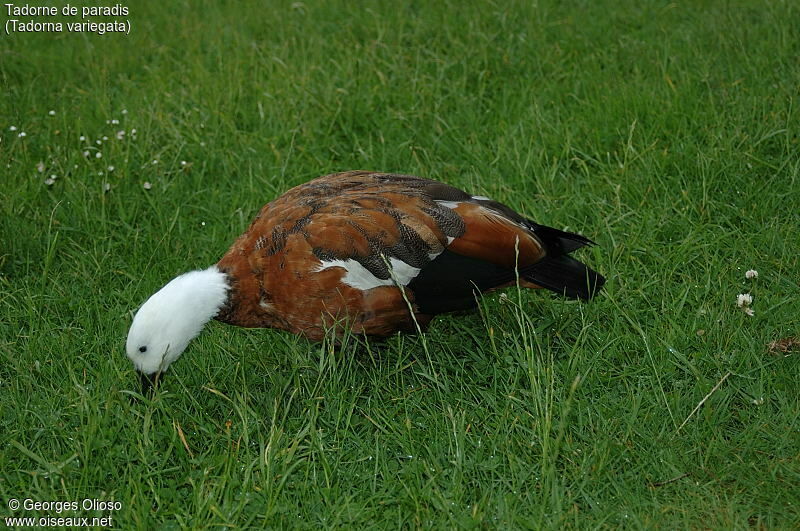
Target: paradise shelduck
x=375, y=252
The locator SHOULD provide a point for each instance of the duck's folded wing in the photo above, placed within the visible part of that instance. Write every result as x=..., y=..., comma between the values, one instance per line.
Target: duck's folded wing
x=498, y=248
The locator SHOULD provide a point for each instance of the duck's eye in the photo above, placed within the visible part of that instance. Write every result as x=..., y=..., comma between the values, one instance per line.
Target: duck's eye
x=142, y=349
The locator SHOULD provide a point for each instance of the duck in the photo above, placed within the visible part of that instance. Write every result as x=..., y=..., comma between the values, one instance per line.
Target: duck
x=360, y=251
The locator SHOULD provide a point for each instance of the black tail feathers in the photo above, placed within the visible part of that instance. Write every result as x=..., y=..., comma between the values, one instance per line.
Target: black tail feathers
x=558, y=241
x=566, y=276
x=559, y=272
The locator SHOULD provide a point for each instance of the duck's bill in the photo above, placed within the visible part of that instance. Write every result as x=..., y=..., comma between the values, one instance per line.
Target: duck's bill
x=150, y=382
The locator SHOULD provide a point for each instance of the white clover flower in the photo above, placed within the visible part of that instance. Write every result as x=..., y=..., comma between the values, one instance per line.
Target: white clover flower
x=749, y=311
x=183, y=163
x=98, y=155
x=52, y=113
x=54, y=177
x=147, y=185
x=105, y=138
x=744, y=299
x=98, y=142
x=49, y=181
x=120, y=135
x=12, y=128
x=155, y=161
x=133, y=131
x=752, y=273
x=22, y=134
x=40, y=167
x=85, y=153
x=82, y=138
x=110, y=168
x=124, y=111
x=106, y=187
x=114, y=122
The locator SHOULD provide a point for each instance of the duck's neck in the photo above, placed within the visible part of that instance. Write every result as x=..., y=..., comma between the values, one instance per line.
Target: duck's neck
x=209, y=292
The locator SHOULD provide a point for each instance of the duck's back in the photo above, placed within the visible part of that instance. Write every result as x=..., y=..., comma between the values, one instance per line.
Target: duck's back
x=362, y=249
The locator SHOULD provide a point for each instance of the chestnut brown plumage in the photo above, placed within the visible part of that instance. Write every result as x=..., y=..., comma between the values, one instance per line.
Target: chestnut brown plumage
x=373, y=252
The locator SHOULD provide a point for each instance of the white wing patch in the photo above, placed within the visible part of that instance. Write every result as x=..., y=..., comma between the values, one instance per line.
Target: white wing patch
x=359, y=277
x=402, y=272
x=454, y=204
x=449, y=204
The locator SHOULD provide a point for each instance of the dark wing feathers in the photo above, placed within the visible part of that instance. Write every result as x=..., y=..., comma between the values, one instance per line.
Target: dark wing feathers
x=451, y=281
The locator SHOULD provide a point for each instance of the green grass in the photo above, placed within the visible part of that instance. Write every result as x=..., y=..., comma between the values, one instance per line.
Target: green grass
x=667, y=132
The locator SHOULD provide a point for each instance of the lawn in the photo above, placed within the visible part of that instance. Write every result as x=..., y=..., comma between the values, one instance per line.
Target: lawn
x=666, y=132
